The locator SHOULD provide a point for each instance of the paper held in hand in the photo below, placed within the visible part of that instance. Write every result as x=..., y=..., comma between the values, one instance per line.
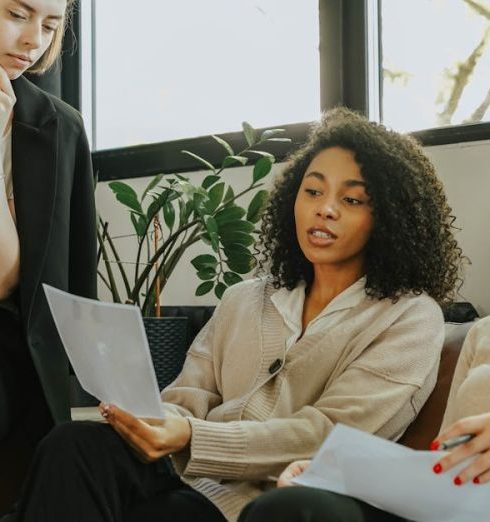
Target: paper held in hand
x=108, y=350
x=395, y=478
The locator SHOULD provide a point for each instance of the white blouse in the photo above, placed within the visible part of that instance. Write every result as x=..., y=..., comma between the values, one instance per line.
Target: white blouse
x=289, y=303
x=6, y=162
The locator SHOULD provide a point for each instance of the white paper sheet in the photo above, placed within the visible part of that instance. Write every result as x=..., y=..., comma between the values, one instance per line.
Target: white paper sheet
x=108, y=350
x=397, y=479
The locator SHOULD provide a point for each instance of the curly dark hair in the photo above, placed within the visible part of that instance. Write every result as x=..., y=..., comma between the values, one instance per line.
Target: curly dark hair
x=411, y=249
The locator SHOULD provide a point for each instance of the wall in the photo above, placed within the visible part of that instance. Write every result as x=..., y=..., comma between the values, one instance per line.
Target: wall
x=463, y=168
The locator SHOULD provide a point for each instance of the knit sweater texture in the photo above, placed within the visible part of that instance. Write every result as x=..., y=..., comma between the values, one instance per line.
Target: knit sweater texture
x=254, y=408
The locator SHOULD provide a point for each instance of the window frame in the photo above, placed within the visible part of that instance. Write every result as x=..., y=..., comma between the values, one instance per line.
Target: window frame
x=343, y=66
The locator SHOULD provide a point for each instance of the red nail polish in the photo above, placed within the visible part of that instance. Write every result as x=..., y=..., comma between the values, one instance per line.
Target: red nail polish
x=434, y=445
x=476, y=480
x=437, y=468
x=457, y=481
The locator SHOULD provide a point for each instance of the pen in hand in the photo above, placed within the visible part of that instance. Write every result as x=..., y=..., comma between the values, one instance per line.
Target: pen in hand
x=456, y=441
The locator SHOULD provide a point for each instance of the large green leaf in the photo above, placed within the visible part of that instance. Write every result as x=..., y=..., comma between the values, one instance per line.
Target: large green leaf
x=229, y=196
x=200, y=160
x=229, y=214
x=213, y=236
x=250, y=134
x=219, y=290
x=204, y=288
x=257, y=206
x=262, y=153
x=233, y=160
x=206, y=274
x=211, y=225
x=236, y=236
x=261, y=169
x=169, y=215
x=204, y=261
x=236, y=251
x=224, y=144
x=269, y=133
x=215, y=197
x=126, y=195
x=242, y=266
x=209, y=181
x=231, y=278
x=234, y=226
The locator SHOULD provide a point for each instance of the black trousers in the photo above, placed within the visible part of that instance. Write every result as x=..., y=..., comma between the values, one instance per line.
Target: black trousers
x=85, y=472
x=302, y=504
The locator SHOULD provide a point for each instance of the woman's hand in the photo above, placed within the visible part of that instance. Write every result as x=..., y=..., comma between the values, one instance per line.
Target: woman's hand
x=151, y=439
x=479, y=470
x=293, y=470
x=7, y=101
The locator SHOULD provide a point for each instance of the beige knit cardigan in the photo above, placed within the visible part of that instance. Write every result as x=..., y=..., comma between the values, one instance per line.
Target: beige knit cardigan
x=254, y=408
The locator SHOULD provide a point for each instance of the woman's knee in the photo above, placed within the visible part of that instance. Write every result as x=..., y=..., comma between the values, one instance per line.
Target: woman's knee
x=301, y=504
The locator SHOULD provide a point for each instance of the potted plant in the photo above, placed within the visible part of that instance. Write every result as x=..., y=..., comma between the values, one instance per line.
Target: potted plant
x=172, y=214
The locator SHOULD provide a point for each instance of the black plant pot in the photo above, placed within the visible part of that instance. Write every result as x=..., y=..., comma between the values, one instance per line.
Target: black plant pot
x=168, y=339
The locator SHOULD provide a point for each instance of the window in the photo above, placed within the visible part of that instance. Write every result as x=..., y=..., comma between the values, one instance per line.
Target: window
x=166, y=70
x=435, y=63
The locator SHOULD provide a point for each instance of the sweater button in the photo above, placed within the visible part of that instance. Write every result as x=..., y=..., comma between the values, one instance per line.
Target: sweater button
x=275, y=366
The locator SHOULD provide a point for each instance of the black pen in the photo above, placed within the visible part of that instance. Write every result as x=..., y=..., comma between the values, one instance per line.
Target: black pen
x=456, y=441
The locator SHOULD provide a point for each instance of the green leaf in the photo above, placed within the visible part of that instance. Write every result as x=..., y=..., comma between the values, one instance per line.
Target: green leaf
x=201, y=160
x=204, y=288
x=213, y=236
x=236, y=251
x=139, y=224
x=204, y=261
x=225, y=144
x=197, y=204
x=238, y=225
x=232, y=160
x=231, y=278
x=206, y=274
x=169, y=215
x=229, y=214
x=126, y=195
x=262, y=153
x=219, y=290
x=257, y=206
x=242, y=238
x=129, y=201
x=215, y=197
x=261, y=169
x=153, y=183
x=269, y=133
x=229, y=196
x=209, y=181
x=250, y=134
x=211, y=225
x=243, y=266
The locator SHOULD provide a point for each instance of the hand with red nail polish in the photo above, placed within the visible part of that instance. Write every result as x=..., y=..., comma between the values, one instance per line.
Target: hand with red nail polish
x=478, y=469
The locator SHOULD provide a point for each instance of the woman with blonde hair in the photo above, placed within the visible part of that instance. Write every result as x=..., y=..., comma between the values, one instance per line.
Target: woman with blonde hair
x=47, y=221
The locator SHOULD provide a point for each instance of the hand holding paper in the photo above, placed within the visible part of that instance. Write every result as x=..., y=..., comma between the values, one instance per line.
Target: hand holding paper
x=108, y=350
x=394, y=478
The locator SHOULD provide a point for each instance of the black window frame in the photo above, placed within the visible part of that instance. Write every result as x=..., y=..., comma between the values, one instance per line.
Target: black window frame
x=343, y=81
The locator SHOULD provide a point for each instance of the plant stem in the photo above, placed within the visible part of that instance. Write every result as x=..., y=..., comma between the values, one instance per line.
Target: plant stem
x=113, y=287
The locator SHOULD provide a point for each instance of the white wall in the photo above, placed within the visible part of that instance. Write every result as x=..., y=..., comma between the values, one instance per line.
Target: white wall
x=463, y=168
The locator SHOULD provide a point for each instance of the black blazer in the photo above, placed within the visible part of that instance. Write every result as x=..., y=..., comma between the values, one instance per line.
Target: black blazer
x=55, y=210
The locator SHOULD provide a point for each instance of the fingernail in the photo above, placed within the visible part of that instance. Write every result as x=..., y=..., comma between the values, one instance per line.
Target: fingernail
x=457, y=481
x=434, y=445
x=476, y=480
x=437, y=468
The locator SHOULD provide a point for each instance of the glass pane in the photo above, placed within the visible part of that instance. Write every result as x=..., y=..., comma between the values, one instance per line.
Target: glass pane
x=436, y=62
x=178, y=69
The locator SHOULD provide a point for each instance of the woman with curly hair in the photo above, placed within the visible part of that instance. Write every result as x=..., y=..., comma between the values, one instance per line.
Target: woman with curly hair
x=347, y=328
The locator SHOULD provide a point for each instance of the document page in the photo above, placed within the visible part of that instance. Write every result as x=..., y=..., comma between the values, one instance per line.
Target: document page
x=395, y=478
x=108, y=350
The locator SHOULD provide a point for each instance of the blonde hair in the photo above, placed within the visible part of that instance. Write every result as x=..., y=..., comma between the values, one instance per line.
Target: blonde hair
x=54, y=50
